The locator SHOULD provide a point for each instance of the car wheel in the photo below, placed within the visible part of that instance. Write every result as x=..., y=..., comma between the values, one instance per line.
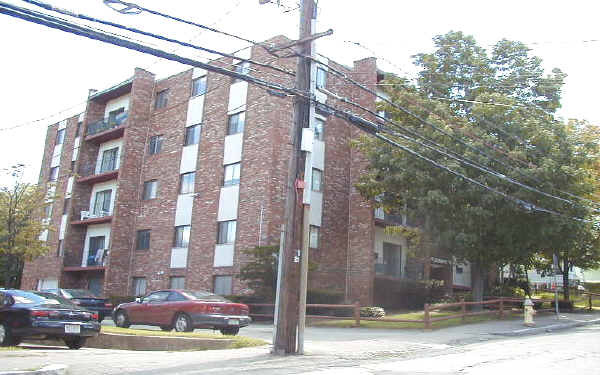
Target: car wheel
x=121, y=319
x=183, y=323
x=166, y=328
x=6, y=337
x=230, y=331
x=75, y=342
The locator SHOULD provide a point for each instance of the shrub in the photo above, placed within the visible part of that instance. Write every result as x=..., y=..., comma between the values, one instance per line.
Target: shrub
x=327, y=297
x=372, y=312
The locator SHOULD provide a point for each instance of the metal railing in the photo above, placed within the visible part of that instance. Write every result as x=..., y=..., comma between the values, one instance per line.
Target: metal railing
x=98, y=259
x=85, y=215
x=106, y=124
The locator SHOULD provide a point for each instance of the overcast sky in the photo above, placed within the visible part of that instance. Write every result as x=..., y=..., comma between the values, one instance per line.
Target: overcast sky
x=46, y=71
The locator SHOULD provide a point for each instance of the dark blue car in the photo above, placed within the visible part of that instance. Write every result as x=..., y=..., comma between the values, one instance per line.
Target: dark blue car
x=39, y=315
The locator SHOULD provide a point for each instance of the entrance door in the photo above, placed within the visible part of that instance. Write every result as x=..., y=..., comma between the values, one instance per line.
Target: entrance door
x=392, y=259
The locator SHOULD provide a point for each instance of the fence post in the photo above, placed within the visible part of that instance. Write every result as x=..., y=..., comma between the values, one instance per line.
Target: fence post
x=426, y=316
x=357, y=314
x=501, y=308
x=590, y=301
x=463, y=309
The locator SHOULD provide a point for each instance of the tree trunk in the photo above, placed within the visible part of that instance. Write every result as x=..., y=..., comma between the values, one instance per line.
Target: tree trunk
x=477, y=284
x=565, y=276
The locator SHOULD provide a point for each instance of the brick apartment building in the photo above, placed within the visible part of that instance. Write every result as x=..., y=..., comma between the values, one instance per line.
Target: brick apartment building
x=164, y=183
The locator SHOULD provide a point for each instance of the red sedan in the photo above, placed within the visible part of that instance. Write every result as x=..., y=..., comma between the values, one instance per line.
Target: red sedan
x=183, y=310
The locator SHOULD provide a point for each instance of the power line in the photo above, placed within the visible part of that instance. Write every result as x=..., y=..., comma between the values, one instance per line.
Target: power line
x=363, y=124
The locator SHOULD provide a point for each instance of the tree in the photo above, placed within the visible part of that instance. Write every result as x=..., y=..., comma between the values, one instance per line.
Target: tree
x=516, y=135
x=20, y=227
x=260, y=273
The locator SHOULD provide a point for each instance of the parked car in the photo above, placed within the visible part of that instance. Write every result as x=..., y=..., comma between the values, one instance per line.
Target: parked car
x=85, y=298
x=183, y=310
x=39, y=315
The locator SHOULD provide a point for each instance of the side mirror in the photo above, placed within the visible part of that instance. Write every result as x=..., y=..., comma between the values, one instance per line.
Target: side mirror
x=6, y=300
x=138, y=299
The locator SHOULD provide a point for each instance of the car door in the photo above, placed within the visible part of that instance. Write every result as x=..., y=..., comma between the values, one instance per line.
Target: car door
x=138, y=312
x=155, y=310
x=176, y=302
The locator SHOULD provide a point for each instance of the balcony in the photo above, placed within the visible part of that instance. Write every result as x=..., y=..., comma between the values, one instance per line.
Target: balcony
x=88, y=217
x=94, y=262
x=88, y=175
x=106, y=129
x=383, y=218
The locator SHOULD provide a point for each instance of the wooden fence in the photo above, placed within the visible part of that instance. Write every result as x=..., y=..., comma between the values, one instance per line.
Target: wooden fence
x=499, y=306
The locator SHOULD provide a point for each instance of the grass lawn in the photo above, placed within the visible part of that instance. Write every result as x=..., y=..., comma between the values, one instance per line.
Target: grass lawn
x=9, y=348
x=411, y=316
x=580, y=302
x=238, y=341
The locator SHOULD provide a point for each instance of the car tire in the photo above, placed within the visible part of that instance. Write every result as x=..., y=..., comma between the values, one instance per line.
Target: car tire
x=121, y=319
x=230, y=331
x=6, y=337
x=166, y=328
x=183, y=323
x=75, y=343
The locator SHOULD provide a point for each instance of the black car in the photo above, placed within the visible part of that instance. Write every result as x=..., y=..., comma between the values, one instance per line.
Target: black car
x=39, y=315
x=85, y=298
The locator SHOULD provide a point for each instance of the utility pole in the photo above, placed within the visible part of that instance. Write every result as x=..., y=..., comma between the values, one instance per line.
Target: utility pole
x=288, y=302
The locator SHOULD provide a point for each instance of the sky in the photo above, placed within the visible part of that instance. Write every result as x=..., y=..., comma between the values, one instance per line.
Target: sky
x=47, y=73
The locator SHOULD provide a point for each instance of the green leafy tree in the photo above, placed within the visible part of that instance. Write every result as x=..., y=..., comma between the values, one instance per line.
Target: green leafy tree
x=521, y=139
x=21, y=206
x=260, y=273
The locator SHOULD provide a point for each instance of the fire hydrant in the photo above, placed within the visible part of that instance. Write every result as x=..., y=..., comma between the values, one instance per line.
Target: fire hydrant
x=529, y=313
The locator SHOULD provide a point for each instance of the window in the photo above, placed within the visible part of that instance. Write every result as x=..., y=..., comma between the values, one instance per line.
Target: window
x=161, y=99
x=321, y=78
x=78, y=128
x=232, y=174
x=199, y=86
x=53, y=174
x=109, y=160
x=150, y=188
x=176, y=282
x=102, y=203
x=186, y=183
x=60, y=251
x=96, y=244
x=156, y=297
x=47, y=211
x=72, y=166
x=317, y=180
x=60, y=136
x=226, y=232
x=243, y=67
x=112, y=115
x=459, y=270
x=182, y=236
x=138, y=286
x=192, y=135
x=155, y=144
x=236, y=123
x=318, y=128
x=223, y=285
x=313, y=237
x=143, y=239
x=66, y=206
x=174, y=296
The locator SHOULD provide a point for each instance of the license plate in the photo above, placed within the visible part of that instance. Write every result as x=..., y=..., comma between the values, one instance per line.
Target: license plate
x=72, y=328
x=233, y=322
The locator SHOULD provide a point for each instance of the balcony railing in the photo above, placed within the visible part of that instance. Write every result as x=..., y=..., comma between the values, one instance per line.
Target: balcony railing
x=98, y=259
x=388, y=218
x=106, y=124
x=85, y=215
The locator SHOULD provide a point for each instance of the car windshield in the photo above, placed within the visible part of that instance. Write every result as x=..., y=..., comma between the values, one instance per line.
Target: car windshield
x=39, y=299
x=78, y=293
x=202, y=295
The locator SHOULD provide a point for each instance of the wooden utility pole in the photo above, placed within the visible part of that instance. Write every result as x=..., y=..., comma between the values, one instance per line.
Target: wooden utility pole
x=287, y=312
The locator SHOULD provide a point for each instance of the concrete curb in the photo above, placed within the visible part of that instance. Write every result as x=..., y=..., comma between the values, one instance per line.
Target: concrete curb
x=46, y=370
x=545, y=329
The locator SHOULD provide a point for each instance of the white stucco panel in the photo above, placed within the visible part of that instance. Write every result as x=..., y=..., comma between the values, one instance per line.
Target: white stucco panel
x=63, y=227
x=120, y=102
x=223, y=255
x=237, y=97
x=183, y=213
x=316, y=208
x=189, y=157
x=179, y=257
x=62, y=124
x=318, y=155
x=198, y=72
x=195, y=110
x=232, y=151
x=69, y=186
x=228, y=203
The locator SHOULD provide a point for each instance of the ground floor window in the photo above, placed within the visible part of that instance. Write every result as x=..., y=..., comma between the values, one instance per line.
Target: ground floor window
x=138, y=286
x=223, y=285
x=177, y=282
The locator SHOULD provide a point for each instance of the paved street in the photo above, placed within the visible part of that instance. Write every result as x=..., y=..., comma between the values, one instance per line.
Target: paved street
x=468, y=349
